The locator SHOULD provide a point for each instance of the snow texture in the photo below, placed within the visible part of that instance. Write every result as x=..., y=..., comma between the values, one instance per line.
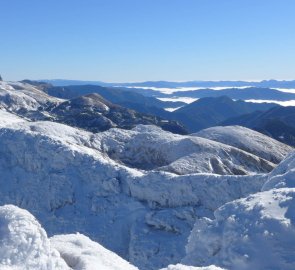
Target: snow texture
x=80, y=253
x=24, y=244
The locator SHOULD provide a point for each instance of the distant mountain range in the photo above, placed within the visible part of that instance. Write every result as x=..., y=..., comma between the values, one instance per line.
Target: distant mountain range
x=167, y=84
x=203, y=113
x=236, y=93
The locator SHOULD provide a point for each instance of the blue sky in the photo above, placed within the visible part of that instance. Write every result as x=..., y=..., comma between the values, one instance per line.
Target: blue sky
x=138, y=40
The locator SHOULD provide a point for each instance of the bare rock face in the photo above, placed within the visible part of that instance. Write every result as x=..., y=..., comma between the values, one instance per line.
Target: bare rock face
x=1, y=78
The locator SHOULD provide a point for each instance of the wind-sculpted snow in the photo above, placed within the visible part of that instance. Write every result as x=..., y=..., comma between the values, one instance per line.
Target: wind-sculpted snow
x=248, y=140
x=24, y=243
x=24, y=246
x=283, y=175
x=64, y=178
x=149, y=147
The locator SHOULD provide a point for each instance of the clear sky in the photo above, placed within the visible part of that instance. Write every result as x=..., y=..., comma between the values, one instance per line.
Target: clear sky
x=138, y=40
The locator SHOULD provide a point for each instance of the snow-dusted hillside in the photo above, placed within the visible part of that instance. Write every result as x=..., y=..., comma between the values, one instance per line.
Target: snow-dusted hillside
x=7, y=118
x=149, y=147
x=249, y=141
x=23, y=97
x=24, y=245
x=60, y=174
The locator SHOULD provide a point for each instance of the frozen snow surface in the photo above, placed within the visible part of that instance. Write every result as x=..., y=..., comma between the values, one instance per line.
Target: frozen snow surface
x=80, y=253
x=24, y=245
x=212, y=200
x=149, y=147
x=248, y=140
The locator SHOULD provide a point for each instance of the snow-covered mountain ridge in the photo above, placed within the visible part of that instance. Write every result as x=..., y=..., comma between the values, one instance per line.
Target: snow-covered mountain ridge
x=90, y=112
x=141, y=192
x=238, y=236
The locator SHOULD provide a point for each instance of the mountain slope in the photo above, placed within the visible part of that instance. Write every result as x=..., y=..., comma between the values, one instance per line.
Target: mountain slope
x=207, y=112
x=248, y=140
x=23, y=97
x=94, y=113
x=277, y=122
x=150, y=148
x=91, y=112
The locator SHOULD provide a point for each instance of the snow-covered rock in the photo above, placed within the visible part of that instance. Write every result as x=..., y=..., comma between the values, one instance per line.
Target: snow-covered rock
x=248, y=140
x=24, y=243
